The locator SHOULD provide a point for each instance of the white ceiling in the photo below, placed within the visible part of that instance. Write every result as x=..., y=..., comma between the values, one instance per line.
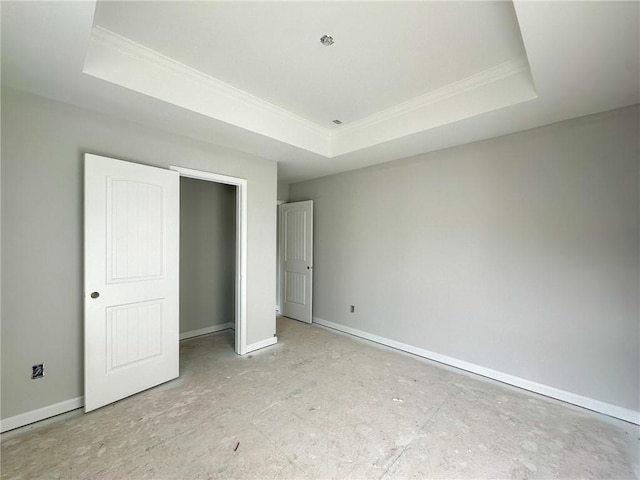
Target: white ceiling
x=405, y=78
x=384, y=53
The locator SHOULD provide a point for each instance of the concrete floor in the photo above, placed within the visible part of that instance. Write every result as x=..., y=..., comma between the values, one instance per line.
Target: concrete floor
x=323, y=405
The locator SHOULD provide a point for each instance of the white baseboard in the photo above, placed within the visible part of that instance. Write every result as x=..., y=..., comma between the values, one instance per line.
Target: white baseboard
x=205, y=331
x=264, y=343
x=622, y=413
x=75, y=403
x=41, y=414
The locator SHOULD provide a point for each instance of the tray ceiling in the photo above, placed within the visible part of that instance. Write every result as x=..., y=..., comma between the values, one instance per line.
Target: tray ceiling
x=395, y=68
x=384, y=54
x=403, y=77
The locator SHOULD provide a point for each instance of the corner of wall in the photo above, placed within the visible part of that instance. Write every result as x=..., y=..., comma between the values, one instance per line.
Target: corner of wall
x=283, y=192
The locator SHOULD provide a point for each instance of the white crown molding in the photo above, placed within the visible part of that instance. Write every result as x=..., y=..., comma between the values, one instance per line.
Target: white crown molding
x=473, y=82
x=491, y=96
x=118, y=60
x=122, y=61
x=123, y=45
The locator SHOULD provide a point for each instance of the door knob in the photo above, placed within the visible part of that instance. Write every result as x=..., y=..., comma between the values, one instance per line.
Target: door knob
x=95, y=295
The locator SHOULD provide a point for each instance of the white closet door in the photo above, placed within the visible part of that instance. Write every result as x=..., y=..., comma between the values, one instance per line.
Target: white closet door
x=132, y=234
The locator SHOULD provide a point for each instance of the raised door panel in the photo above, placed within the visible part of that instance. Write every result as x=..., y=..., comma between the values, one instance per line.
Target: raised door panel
x=297, y=260
x=131, y=278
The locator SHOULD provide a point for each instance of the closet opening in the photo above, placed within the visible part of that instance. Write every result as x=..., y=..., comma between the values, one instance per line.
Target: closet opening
x=212, y=255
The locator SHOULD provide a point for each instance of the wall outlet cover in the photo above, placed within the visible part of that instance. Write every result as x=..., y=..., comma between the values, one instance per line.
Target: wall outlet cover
x=37, y=371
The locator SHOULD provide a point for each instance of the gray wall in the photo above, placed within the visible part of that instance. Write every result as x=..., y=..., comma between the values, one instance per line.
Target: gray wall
x=43, y=143
x=207, y=254
x=519, y=253
x=283, y=192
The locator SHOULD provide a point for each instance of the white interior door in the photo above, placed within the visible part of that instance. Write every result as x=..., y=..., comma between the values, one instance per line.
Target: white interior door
x=132, y=234
x=296, y=242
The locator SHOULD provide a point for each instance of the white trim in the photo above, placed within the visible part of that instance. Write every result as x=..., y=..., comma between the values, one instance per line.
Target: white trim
x=122, y=61
x=622, y=413
x=473, y=82
x=207, y=330
x=119, y=60
x=107, y=38
x=278, y=257
x=41, y=414
x=262, y=344
x=242, y=213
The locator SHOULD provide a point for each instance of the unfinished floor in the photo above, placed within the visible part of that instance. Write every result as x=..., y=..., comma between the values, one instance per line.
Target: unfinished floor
x=320, y=404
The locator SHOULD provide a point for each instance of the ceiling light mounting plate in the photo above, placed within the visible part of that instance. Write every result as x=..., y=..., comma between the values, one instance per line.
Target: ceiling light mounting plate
x=326, y=40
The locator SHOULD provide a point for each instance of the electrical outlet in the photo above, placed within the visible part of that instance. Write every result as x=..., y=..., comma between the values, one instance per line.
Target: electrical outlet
x=353, y=308
x=37, y=371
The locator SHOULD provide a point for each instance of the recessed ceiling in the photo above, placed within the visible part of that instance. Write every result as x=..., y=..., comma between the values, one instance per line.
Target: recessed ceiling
x=443, y=62
x=404, y=77
x=385, y=53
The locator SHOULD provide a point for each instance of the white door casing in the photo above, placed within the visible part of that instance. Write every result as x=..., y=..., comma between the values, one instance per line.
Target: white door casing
x=132, y=234
x=242, y=215
x=296, y=242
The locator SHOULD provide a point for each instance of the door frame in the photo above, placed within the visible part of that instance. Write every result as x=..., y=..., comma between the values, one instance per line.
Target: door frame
x=241, y=246
x=278, y=259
